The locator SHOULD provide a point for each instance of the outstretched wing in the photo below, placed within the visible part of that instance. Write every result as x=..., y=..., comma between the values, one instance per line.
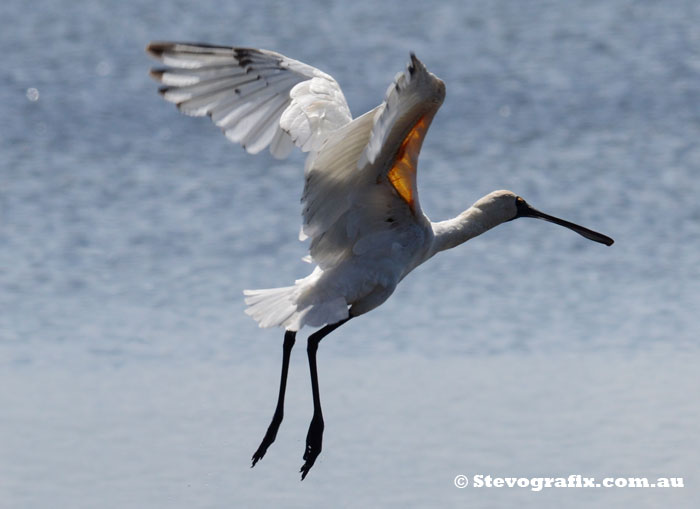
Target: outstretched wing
x=360, y=194
x=259, y=98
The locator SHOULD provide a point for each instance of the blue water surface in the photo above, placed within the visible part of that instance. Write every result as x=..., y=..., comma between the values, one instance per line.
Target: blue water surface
x=129, y=374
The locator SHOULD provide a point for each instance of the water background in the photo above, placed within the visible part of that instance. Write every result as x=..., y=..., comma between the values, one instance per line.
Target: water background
x=129, y=375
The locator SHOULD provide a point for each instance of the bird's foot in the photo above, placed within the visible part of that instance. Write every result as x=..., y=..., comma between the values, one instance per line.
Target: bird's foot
x=314, y=440
x=260, y=453
x=270, y=436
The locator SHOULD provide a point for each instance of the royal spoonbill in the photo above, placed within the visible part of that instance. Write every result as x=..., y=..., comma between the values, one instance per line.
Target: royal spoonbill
x=360, y=200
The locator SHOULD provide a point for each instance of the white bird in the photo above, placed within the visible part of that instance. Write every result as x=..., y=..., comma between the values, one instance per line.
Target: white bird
x=360, y=201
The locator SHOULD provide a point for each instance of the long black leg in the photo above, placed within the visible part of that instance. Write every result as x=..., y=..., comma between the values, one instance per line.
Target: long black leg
x=314, y=437
x=289, y=338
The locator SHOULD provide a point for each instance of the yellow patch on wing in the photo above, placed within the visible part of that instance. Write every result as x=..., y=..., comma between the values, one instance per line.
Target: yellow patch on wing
x=402, y=174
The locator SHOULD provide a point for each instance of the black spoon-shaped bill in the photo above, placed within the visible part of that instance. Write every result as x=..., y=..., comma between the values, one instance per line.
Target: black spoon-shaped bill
x=525, y=210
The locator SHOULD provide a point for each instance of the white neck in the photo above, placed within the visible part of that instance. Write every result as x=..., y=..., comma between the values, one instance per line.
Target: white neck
x=492, y=210
x=458, y=230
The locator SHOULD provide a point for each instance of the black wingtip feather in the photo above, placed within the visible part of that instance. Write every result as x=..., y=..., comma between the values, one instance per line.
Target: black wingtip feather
x=413, y=64
x=157, y=48
x=157, y=74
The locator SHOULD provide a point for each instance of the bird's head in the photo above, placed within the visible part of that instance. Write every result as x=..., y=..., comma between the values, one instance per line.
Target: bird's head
x=505, y=206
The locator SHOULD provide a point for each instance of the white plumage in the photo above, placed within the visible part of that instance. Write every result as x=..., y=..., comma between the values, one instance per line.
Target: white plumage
x=364, y=236
x=366, y=226
x=360, y=202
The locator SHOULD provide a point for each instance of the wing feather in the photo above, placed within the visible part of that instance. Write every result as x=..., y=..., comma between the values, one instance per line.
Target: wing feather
x=360, y=197
x=266, y=124
x=298, y=104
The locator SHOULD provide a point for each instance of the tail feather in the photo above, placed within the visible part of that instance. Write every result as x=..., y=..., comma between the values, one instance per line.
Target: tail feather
x=272, y=307
x=292, y=307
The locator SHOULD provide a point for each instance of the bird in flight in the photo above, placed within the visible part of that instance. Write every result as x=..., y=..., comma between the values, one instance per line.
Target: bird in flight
x=360, y=201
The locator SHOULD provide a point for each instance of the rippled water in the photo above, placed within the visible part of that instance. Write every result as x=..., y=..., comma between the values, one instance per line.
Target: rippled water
x=129, y=373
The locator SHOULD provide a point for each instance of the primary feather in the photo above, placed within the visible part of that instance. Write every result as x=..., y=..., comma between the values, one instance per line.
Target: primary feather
x=259, y=98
